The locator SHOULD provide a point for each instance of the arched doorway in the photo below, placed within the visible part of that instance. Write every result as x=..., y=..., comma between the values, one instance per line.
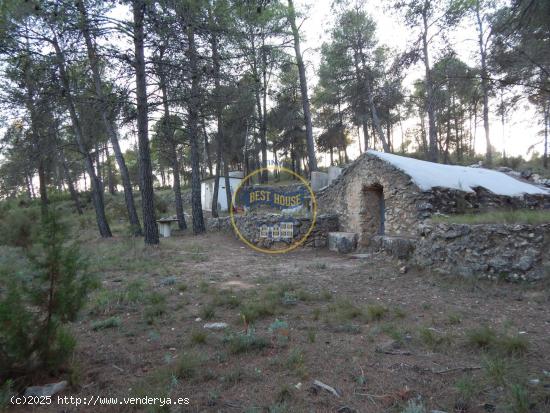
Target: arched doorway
x=372, y=213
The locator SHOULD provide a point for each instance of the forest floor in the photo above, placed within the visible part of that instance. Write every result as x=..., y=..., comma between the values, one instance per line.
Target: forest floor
x=383, y=339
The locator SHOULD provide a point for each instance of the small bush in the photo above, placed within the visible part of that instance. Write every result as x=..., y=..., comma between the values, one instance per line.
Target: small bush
x=36, y=303
x=496, y=369
x=156, y=307
x=513, y=345
x=433, y=339
x=18, y=227
x=254, y=310
x=519, y=399
x=311, y=335
x=227, y=299
x=198, y=337
x=483, y=337
x=6, y=391
x=345, y=310
x=454, y=319
x=466, y=388
x=376, y=312
x=135, y=291
x=186, y=366
x=207, y=312
x=110, y=322
x=244, y=343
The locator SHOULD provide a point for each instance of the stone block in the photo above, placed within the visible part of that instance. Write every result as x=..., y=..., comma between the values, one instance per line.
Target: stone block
x=318, y=180
x=342, y=242
x=333, y=173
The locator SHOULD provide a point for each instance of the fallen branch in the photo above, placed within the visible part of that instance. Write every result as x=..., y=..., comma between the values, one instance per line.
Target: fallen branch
x=455, y=369
x=326, y=387
x=393, y=352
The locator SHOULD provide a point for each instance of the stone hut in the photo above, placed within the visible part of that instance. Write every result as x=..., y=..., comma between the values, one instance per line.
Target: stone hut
x=387, y=200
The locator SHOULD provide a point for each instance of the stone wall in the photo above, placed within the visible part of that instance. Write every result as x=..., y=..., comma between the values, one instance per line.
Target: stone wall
x=450, y=201
x=347, y=196
x=495, y=251
x=405, y=205
x=249, y=227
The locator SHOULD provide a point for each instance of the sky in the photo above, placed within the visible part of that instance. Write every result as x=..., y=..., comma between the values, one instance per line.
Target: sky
x=520, y=130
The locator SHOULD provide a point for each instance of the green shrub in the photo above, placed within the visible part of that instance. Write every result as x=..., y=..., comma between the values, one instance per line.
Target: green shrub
x=198, y=337
x=208, y=312
x=18, y=227
x=376, y=312
x=36, y=302
x=110, y=322
x=6, y=391
x=519, y=399
x=156, y=306
x=244, y=343
x=513, y=345
x=482, y=337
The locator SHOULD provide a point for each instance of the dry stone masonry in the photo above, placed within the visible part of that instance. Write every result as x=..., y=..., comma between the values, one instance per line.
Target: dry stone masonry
x=388, y=201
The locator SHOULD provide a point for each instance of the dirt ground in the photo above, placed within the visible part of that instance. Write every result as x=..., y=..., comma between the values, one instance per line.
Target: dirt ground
x=385, y=340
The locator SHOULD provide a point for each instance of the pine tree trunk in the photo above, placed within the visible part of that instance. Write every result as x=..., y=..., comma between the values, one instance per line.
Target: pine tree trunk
x=219, y=135
x=432, y=131
x=303, y=89
x=546, y=126
x=262, y=126
x=484, y=84
x=145, y=167
x=193, y=118
x=69, y=180
x=110, y=173
x=109, y=127
x=97, y=190
x=170, y=140
x=29, y=103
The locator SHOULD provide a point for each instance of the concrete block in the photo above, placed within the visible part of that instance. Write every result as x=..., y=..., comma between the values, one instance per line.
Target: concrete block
x=333, y=173
x=318, y=180
x=342, y=242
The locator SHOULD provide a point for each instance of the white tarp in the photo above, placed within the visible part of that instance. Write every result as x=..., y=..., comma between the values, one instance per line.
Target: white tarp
x=427, y=175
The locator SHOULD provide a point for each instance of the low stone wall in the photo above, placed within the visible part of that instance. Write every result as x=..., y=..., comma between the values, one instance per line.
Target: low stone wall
x=249, y=227
x=495, y=251
x=451, y=201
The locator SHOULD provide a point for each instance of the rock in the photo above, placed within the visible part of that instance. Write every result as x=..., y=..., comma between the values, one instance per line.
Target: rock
x=525, y=263
x=216, y=326
x=342, y=242
x=346, y=409
x=167, y=281
x=403, y=269
x=326, y=387
x=47, y=390
x=400, y=247
x=526, y=174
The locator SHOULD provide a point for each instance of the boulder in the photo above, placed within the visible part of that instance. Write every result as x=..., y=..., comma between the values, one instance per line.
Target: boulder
x=342, y=242
x=45, y=391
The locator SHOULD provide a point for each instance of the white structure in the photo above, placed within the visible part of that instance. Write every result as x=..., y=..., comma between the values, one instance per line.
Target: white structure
x=427, y=175
x=333, y=173
x=207, y=190
x=318, y=180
